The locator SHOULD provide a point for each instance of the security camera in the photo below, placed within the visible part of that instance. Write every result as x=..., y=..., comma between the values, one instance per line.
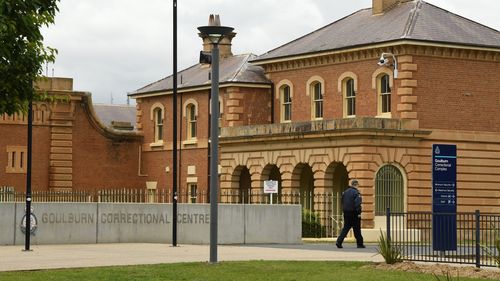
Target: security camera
x=383, y=61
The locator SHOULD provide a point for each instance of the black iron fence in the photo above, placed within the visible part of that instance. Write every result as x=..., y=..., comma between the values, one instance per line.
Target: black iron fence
x=477, y=237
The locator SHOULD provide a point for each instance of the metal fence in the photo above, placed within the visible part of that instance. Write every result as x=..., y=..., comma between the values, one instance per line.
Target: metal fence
x=9, y=194
x=477, y=237
x=322, y=214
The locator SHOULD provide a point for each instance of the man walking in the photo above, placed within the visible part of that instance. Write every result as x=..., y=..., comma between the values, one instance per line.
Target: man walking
x=351, y=205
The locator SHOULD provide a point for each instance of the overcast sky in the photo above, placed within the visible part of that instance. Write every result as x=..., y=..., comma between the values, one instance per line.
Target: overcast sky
x=111, y=47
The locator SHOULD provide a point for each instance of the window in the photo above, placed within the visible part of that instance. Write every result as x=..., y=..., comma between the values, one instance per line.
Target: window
x=193, y=192
x=384, y=94
x=286, y=103
x=191, y=121
x=389, y=190
x=317, y=105
x=158, y=121
x=350, y=98
x=16, y=160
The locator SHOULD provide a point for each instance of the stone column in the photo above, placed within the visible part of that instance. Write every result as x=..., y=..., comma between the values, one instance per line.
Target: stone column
x=257, y=191
x=61, y=144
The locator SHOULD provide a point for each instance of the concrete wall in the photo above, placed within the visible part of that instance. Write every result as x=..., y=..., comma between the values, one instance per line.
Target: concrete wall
x=8, y=223
x=84, y=223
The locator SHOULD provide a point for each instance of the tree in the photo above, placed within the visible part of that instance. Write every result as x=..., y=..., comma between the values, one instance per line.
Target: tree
x=22, y=53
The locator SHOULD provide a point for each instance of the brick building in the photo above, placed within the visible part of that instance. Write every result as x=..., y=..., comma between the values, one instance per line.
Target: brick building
x=341, y=115
x=72, y=148
x=310, y=114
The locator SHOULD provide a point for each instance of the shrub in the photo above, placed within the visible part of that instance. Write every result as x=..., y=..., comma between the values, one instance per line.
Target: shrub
x=311, y=225
x=494, y=254
x=392, y=254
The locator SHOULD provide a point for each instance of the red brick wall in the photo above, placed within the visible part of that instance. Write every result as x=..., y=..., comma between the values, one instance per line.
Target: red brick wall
x=16, y=135
x=366, y=97
x=100, y=162
x=155, y=163
x=256, y=106
x=256, y=110
x=155, y=160
x=458, y=94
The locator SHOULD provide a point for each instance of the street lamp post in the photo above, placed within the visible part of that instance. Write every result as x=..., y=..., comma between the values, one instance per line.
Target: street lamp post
x=215, y=33
x=27, y=229
x=174, y=129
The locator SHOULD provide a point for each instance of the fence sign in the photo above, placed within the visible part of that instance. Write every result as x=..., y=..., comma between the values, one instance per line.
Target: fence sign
x=444, y=197
x=270, y=186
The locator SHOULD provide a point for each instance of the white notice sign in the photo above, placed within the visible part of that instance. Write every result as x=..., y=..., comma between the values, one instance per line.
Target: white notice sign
x=270, y=186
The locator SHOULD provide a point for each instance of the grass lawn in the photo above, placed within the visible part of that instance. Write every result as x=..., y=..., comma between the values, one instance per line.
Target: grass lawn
x=253, y=270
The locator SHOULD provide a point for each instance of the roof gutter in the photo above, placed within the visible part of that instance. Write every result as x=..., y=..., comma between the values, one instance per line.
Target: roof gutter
x=201, y=88
x=385, y=44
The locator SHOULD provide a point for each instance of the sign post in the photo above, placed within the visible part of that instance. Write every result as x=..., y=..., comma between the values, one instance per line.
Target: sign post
x=444, y=197
x=271, y=187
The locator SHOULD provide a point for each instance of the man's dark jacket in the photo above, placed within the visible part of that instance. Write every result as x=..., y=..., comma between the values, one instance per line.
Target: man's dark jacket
x=351, y=200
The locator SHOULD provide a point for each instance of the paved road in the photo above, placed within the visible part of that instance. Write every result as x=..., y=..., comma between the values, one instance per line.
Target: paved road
x=70, y=256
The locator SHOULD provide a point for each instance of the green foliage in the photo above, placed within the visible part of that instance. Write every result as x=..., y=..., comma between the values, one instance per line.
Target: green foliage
x=22, y=53
x=391, y=254
x=493, y=254
x=311, y=225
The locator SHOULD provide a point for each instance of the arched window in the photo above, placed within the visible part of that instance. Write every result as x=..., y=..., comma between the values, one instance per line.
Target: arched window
x=317, y=100
x=384, y=93
x=191, y=121
x=158, y=121
x=389, y=190
x=349, y=98
x=286, y=103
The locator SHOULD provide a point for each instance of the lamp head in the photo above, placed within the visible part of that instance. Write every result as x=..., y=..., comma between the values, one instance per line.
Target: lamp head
x=214, y=31
x=383, y=60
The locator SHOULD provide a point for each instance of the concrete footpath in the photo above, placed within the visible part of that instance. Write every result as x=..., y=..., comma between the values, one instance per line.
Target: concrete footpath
x=13, y=258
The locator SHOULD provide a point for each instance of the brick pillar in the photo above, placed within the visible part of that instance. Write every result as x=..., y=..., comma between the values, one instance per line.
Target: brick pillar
x=61, y=145
x=226, y=192
x=138, y=118
x=234, y=103
x=257, y=190
x=323, y=201
x=361, y=172
x=407, y=84
x=288, y=193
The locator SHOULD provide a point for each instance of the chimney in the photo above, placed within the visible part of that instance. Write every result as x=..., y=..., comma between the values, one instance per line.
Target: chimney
x=381, y=6
x=224, y=45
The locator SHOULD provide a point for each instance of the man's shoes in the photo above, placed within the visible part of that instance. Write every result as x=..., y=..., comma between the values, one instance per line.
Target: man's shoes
x=338, y=245
x=360, y=246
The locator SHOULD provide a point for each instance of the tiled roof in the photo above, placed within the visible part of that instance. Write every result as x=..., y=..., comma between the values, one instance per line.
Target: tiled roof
x=234, y=69
x=121, y=113
x=413, y=20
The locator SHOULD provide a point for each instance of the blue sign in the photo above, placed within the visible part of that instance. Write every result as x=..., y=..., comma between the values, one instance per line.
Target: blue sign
x=444, y=197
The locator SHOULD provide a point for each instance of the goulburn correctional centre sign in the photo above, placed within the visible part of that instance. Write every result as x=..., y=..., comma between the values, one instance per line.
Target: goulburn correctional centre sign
x=78, y=223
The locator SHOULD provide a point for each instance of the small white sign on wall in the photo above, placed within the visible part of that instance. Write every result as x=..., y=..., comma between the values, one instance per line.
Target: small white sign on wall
x=270, y=186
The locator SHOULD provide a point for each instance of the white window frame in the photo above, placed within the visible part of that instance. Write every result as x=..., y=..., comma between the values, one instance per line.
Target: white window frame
x=191, y=119
x=157, y=139
x=376, y=85
x=286, y=103
x=192, y=189
x=349, y=89
x=384, y=96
